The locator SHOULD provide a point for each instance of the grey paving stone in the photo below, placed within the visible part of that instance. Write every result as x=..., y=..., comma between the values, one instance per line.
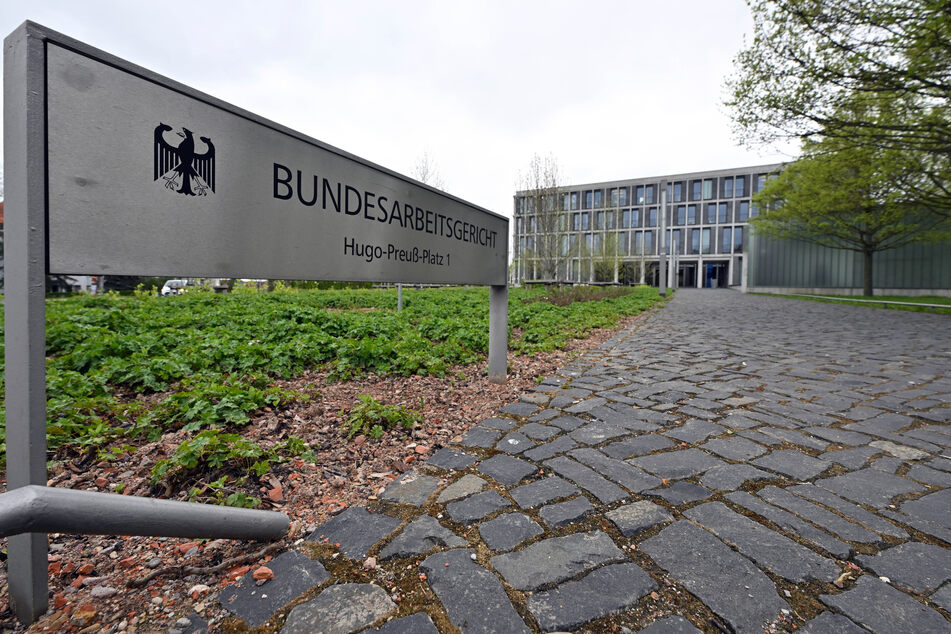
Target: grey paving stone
x=419, y=537
x=732, y=476
x=564, y=513
x=356, y=530
x=506, y=469
x=828, y=521
x=881, y=608
x=586, y=405
x=542, y=491
x=886, y=464
x=850, y=458
x=545, y=414
x=830, y=623
x=840, y=436
x=597, y=433
x=520, y=409
x=628, y=476
x=508, y=531
x=694, y=431
x=450, y=460
x=501, y=424
x=418, y=623
x=515, y=443
x=605, y=591
x=760, y=437
x=341, y=609
x=920, y=567
x=795, y=438
x=535, y=431
x=921, y=473
x=942, y=598
x=480, y=437
x=793, y=464
x=673, y=465
x=901, y=452
x=474, y=508
x=767, y=548
x=568, y=423
x=725, y=581
x=734, y=448
x=464, y=486
x=588, y=479
x=671, y=625
x=559, y=445
x=638, y=517
x=637, y=446
x=561, y=401
x=852, y=511
x=789, y=522
x=681, y=492
x=556, y=559
x=294, y=574
x=473, y=597
x=869, y=486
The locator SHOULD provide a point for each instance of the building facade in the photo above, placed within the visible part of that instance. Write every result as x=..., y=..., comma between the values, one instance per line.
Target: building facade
x=610, y=232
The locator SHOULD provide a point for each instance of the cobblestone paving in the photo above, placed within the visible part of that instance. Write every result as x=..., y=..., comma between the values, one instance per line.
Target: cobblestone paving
x=731, y=464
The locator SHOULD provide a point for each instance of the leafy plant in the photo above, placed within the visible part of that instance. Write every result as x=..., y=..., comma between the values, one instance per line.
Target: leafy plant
x=370, y=416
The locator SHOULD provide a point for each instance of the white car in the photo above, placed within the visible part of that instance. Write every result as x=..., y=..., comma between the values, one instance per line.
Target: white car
x=174, y=287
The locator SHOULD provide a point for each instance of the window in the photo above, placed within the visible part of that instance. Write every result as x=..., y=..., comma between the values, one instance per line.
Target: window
x=565, y=202
x=585, y=220
x=639, y=243
x=649, y=242
x=572, y=242
x=518, y=226
x=622, y=196
x=691, y=214
x=674, y=241
x=614, y=196
x=639, y=194
x=530, y=243
x=694, y=241
x=575, y=222
x=694, y=190
x=760, y=183
x=562, y=222
x=625, y=219
x=681, y=216
x=564, y=246
x=599, y=220
x=597, y=198
x=531, y=224
x=651, y=217
x=723, y=212
x=608, y=219
x=754, y=210
x=649, y=193
x=738, y=240
x=708, y=189
x=678, y=192
x=726, y=240
x=727, y=187
x=624, y=238
x=574, y=201
x=587, y=241
x=744, y=211
x=711, y=213
x=740, y=188
x=588, y=199
x=635, y=218
x=598, y=241
x=705, y=240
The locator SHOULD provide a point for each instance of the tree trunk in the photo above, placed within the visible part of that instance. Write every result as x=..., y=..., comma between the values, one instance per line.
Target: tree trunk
x=867, y=274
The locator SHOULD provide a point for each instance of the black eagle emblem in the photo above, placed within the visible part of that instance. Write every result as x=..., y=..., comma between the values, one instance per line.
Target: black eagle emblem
x=184, y=170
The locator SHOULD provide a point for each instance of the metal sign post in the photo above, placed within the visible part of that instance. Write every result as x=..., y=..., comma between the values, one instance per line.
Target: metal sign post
x=662, y=245
x=113, y=169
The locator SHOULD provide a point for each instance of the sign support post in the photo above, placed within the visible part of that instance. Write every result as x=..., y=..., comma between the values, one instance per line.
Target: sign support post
x=25, y=306
x=498, y=332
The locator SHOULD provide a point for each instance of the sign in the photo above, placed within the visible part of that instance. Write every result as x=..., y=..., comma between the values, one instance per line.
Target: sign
x=150, y=178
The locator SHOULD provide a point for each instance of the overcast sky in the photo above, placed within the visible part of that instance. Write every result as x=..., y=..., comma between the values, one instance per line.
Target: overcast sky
x=612, y=89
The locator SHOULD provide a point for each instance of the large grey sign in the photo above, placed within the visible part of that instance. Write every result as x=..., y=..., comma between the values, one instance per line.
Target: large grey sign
x=148, y=180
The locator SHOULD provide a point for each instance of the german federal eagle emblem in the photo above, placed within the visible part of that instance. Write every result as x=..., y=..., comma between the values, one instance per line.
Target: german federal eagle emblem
x=184, y=169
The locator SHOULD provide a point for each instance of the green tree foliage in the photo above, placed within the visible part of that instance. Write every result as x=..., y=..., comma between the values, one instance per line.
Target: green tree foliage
x=809, y=59
x=845, y=197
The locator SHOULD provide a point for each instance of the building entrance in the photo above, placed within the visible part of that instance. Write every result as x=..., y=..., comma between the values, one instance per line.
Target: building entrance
x=715, y=274
x=687, y=275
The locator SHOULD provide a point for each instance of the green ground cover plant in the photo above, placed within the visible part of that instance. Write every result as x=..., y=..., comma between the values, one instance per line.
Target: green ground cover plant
x=918, y=299
x=126, y=369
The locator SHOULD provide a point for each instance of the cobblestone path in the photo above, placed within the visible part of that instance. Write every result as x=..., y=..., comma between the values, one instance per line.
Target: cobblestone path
x=732, y=463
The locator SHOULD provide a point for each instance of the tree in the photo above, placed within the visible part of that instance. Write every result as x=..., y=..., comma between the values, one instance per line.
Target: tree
x=425, y=171
x=541, y=209
x=606, y=258
x=810, y=58
x=844, y=197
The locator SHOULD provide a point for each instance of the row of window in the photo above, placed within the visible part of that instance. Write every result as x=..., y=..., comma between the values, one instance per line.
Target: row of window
x=647, y=194
x=680, y=215
x=685, y=242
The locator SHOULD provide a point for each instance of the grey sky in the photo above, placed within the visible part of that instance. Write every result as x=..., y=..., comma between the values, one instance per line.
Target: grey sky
x=611, y=89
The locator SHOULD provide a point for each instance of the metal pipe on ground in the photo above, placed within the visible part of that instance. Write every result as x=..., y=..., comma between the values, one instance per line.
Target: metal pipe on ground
x=39, y=509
